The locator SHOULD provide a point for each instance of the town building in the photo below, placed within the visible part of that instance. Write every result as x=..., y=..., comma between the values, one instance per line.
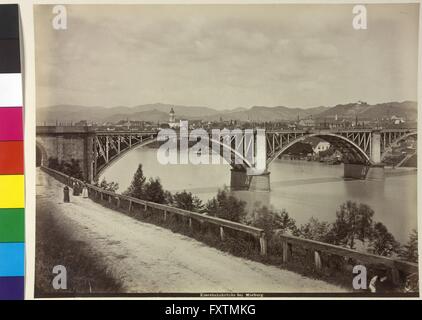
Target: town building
x=172, y=119
x=397, y=120
x=321, y=146
x=318, y=145
x=309, y=123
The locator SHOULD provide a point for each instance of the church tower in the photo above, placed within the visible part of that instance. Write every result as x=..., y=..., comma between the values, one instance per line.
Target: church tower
x=172, y=119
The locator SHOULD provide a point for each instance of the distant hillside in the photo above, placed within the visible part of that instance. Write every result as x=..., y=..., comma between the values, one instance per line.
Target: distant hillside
x=151, y=115
x=405, y=109
x=147, y=112
x=191, y=111
x=160, y=112
x=258, y=113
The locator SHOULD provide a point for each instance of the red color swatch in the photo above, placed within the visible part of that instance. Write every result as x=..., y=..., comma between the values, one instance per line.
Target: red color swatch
x=11, y=157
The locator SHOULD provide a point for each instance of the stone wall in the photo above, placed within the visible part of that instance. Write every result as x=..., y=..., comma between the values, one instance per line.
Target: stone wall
x=65, y=147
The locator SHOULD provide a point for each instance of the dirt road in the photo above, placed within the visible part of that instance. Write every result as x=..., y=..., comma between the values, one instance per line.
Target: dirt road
x=147, y=258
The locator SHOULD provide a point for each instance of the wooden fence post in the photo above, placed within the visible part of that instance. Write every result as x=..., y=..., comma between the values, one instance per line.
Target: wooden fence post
x=317, y=259
x=130, y=206
x=165, y=215
x=285, y=246
x=222, y=234
x=118, y=202
x=190, y=223
x=395, y=276
x=263, y=244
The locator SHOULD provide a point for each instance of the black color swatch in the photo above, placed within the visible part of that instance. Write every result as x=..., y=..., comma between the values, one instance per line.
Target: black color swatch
x=9, y=39
x=10, y=56
x=9, y=21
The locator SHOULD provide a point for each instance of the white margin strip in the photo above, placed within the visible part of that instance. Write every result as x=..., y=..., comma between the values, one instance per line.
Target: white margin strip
x=11, y=90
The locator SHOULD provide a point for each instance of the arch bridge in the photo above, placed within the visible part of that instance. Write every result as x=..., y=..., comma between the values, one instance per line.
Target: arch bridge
x=363, y=150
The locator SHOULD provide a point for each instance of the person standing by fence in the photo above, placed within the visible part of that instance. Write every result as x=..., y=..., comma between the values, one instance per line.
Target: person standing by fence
x=76, y=188
x=66, y=197
x=84, y=191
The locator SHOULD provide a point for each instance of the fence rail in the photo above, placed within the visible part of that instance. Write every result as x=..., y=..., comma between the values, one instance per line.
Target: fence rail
x=398, y=268
x=320, y=247
x=222, y=223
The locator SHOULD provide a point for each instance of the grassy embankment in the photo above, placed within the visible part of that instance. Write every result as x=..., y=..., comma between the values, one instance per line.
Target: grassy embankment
x=85, y=272
x=241, y=245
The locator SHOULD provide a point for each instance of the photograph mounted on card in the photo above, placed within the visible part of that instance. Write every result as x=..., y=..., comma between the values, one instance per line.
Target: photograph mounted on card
x=209, y=150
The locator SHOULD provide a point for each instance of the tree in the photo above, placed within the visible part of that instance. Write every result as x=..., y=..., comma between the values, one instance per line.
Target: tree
x=354, y=222
x=168, y=197
x=315, y=230
x=272, y=220
x=54, y=164
x=137, y=185
x=326, y=153
x=153, y=191
x=285, y=223
x=226, y=206
x=150, y=190
x=72, y=168
x=300, y=148
x=108, y=186
x=409, y=251
x=187, y=201
x=382, y=242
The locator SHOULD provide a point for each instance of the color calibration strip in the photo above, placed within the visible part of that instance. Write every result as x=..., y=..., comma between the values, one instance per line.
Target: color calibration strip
x=12, y=219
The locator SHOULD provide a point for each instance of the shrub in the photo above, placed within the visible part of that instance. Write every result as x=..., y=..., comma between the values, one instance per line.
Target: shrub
x=187, y=201
x=226, y=206
x=409, y=251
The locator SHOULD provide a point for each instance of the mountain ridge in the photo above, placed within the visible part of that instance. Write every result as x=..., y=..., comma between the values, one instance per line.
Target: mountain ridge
x=159, y=112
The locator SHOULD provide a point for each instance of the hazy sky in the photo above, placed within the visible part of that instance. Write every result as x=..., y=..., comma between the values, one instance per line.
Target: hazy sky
x=226, y=56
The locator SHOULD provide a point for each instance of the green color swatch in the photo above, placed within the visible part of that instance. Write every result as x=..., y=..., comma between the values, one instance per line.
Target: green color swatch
x=12, y=225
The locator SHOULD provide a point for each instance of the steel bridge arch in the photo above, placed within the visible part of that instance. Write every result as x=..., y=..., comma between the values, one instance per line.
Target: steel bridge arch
x=120, y=155
x=390, y=146
x=333, y=139
x=144, y=143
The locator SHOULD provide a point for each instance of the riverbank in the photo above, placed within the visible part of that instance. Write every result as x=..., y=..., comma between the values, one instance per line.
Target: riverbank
x=151, y=259
x=397, y=172
x=305, y=189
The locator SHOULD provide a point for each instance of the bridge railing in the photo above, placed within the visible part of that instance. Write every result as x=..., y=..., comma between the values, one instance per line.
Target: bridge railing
x=290, y=245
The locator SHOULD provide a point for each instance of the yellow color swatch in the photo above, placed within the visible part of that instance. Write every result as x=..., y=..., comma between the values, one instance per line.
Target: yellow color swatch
x=12, y=191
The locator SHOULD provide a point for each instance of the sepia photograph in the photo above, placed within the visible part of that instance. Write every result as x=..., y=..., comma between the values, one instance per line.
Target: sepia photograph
x=226, y=150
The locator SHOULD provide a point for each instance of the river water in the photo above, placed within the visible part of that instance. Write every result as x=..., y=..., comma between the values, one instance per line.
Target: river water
x=304, y=189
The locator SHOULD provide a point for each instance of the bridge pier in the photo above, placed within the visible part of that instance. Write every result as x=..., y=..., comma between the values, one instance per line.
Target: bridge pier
x=67, y=143
x=375, y=171
x=363, y=171
x=238, y=180
x=259, y=182
x=376, y=146
x=242, y=180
